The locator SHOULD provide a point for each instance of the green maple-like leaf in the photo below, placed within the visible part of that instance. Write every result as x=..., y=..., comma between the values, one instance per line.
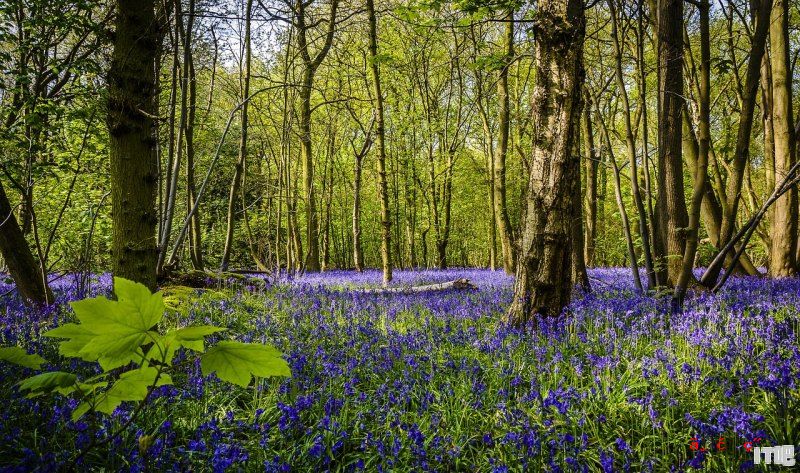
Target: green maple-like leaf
x=236, y=362
x=18, y=356
x=47, y=382
x=111, y=331
x=131, y=386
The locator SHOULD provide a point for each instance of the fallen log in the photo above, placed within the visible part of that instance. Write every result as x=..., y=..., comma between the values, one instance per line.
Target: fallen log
x=462, y=283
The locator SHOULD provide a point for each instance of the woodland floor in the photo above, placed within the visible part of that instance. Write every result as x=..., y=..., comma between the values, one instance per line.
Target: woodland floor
x=432, y=382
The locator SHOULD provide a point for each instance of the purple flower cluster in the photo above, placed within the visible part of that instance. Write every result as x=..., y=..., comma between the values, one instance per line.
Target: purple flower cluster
x=432, y=382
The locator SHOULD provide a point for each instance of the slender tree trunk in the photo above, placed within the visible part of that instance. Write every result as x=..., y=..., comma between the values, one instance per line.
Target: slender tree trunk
x=499, y=175
x=131, y=100
x=742, y=152
x=701, y=166
x=543, y=277
x=591, y=162
x=239, y=170
x=630, y=142
x=358, y=253
x=623, y=213
x=579, y=275
x=672, y=217
x=380, y=133
x=784, y=218
x=172, y=189
x=195, y=233
x=311, y=64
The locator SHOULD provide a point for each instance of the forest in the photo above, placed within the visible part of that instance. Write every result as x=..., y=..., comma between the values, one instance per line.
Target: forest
x=399, y=235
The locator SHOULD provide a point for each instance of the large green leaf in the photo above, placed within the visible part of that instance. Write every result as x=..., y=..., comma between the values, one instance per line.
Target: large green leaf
x=18, y=356
x=111, y=331
x=192, y=337
x=236, y=362
x=131, y=386
x=47, y=382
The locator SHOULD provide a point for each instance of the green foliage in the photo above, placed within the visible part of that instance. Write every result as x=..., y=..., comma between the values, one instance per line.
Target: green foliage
x=123, y=333
x=236, y=361
x=19, y=356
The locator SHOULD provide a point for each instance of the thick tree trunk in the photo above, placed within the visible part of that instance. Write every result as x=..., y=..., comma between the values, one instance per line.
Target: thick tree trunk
x=784, y=218
x=131, y=100
x=543, y=277
x=672, y=217
x=499, y=172
x=383, y=186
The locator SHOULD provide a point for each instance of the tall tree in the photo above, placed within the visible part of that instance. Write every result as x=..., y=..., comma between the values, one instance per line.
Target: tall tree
x=784, y=217
x=701, y=163
x=131, y=103
x=499, y=171
x=380, y=134
x=630, y=145
x=239, y=169
x=543, y=277
x=310, y=66
x=671, y=215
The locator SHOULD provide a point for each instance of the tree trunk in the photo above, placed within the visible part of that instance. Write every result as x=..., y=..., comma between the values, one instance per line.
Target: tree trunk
x=239, y=170
x=591, y=162
x=543, y=278
x=383, y=186
x=672, y=217
x=312, y=262
x=358, y=253
x=742, y=153
x=579, y=275
x=499, y=176
x=630, y=142
x=175, y=153
x=31, y=283
x=131, y=100
x=195, y=233
x=700, y=170
x=784, y=218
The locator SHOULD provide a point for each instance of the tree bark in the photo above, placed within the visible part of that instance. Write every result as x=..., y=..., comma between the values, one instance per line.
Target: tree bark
x=543, y=277
x=311, y=64
x=671, y=215
x=630, y=142
x=701, y=166
x=131, y=100
x=26, y=273
x=591, y=163
x=239, y=169
x=499, y=172
x=782, y=261
x=380, y=133
x=733, y=189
